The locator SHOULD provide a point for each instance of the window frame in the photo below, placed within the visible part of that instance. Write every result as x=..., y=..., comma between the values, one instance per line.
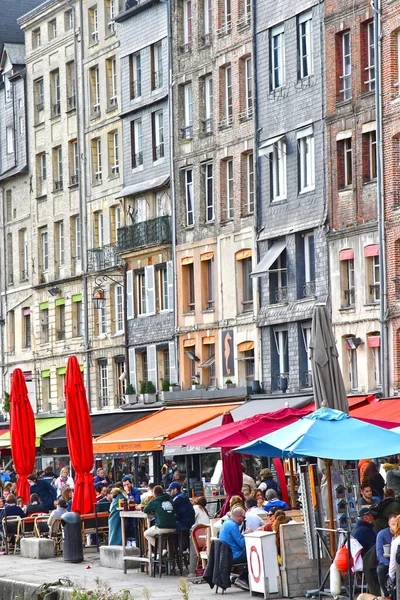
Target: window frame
x=278, y=171
x=208, y=182
x=189, y=198
x=305, y=44
x=306, y=162
x=277, y=53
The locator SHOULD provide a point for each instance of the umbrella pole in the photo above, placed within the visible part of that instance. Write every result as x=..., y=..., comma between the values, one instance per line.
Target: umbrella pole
x=330, y=504
x=292, y=484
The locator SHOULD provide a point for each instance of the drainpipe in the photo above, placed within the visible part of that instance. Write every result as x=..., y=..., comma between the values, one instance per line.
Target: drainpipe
x=380, y=195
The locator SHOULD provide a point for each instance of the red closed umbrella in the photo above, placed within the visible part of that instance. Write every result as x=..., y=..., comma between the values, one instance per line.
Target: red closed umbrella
x=232, y=473
x=79, y=438
x=22, y=433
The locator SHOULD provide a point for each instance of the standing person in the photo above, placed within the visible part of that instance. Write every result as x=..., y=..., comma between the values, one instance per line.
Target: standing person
x=162, y=508
x=249, y=485
x=63, y=480
x=267, y=481
x=166, y=476
x=364, y=532
x=362, y=465
x=44, y=490
x=366, y=495
x=393, y=549
x=183, y=508
x=392, y=470
x=114, y=520
x=372, y=476
x=101, y=478
x=384, y=537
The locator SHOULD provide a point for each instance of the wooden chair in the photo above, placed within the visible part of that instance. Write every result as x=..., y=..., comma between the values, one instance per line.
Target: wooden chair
x=12, y=531
x=28, y=525
x=42, y=528
x=200, y=540
x=56, y=534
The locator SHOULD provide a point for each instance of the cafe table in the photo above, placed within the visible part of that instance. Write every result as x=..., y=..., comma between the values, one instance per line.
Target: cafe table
x=142, y=522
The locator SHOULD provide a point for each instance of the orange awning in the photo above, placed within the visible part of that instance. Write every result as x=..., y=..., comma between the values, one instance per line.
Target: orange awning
x=149, y=433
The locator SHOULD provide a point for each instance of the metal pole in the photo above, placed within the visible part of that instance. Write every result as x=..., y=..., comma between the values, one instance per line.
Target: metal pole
x=380, y=195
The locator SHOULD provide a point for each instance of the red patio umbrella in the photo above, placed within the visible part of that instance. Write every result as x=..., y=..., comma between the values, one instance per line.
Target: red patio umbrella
x=79, y=438
x=22, y=433
x=232, y=474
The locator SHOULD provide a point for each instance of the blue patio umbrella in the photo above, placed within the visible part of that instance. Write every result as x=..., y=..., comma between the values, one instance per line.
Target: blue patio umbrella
x=329, y=434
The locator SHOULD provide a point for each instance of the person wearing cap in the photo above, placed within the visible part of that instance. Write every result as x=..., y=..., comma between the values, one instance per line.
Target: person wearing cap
x=364, y=532
x=185, y=515
x=100, y=478
x=133, y=493
x=273, y=501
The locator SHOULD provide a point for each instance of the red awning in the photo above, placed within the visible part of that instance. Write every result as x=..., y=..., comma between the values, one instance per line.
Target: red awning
x=372, y=250
x=374, y=341
x=346, y=254
x=387, y=411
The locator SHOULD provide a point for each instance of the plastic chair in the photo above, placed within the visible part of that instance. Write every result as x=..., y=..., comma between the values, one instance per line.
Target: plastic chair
x=199, y=537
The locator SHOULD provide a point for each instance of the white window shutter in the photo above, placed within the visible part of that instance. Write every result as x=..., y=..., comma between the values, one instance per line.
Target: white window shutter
x=170, y=278
x=173, y=371
x=132, y=367
x=130, y=313
x=152, y=364
x=150, y=290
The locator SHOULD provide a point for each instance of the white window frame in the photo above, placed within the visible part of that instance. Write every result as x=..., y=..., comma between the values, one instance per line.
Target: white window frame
x=61, y=253
x=208, y=174
x=25, y=255
x=228, y=99
x=163, y=291
x=306, y=334
x=306, y=163
x=138, y=142
x=345, y=77
x=44, y=241
x=10, y=139
x=188, y=110
x=159, y=134
x=248, y=74
x=281, y=337
x=305, y=33
x=115, y=143
x=353, y=368
x=99, y=216
x=97, y=167
x=208, y=103
x=77, y=226
x=229, y=188
x=207, y=17
x=372, y=155
x=137, y=75
x=348, y=162
x=375, y=266
x=141, y=294
x=95, y=30
x=189, y=200
x=307, y=256
x=250, y=182
x=278, y=57
x=103, y=384
x=370, y=68
x=118, y=309
x=114, y=83
x=278, y=168
x=227, y=15
x=158, y=65
x=376, y=354
x=187, y=22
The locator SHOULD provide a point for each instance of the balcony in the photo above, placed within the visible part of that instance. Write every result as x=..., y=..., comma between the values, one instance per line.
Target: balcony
x=146, y=233
x=100, y=259
x=309, y=289
x=281, y=294
x=280, y=382
x=349, y=297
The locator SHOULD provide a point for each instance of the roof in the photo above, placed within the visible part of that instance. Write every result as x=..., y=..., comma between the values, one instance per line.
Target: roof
x=10, y=11
x=149, y=433
x=42, y=426
x=381, y=410
x=15, y=53
x=101, y=424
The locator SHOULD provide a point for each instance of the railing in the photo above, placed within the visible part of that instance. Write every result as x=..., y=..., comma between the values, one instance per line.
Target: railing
x=375, y=292
x=186, y=48
x=146, y=233
x=206, y=39
x=58, y=185
x=246, y=114
x=207, y=126
x=60, y=334
x=74, y=179
x=225, y=122
x=159, y=151
x=24, y=275
x=158, y=79
x=281, y=294
x=187, y=132
x=71, y=102
x=309, y=289
x=40, y=106
x=138, y=159
x=56, y=109
x=280, y=381
x=244, y=21
x=349, y=297
x=103, y=258
x=103, y=401
x=225, y=29
x=307, y=379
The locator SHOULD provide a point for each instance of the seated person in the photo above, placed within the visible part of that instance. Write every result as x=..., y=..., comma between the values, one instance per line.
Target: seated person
x=147, y=496
x=100, y=478
x=185, y=516
x=107, y=498
x=35, y=506
x=12, y=509
x=131, y=492
x=273, y=501
x=44, y=490
x=273, y=514
x=385, y=536
x=162, y=507
x=201, y=514
x=253, y=520
x=364, y=532
x=366, y=495
x=230, y=535
x=58, y=512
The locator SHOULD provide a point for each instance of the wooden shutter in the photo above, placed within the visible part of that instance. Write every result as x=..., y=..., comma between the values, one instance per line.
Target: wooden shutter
x=152, y=364
x=132, y=367
x=170, y=279
x=130, y=312
x=173, y=370
x=150, y=290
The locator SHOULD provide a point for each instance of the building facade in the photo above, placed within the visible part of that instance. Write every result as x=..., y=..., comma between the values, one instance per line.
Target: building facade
x=292, y=267
x=354, y=261
x=214, y=192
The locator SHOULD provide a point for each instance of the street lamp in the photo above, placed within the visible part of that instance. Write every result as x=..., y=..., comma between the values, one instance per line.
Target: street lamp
x=99, y=299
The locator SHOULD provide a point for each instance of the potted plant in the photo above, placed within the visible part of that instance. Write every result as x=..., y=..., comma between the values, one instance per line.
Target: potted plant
x=150, y=395
x=196, y=384
x=165, y=385
x=174, y=387
x=229, y=384
x=130, y=394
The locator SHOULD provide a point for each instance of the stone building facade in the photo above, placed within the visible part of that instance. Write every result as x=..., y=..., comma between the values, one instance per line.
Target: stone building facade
x=214, y=192
x=292, y=215
x=351, y=159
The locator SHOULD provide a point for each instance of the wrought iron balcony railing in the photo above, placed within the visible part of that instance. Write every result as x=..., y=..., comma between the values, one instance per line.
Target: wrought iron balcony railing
x=146, y=233
x=103, y=258
x=308, y=289
x=281, y=294
x=280, y=381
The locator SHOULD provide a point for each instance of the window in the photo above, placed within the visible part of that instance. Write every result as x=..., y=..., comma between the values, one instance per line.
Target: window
x=306, y=162
x=41, y=166
x=111, y=65
x=157, y=64
x=280, y=360
x=10, y=139
x=141, y=210
x=77, y=316
x=76, y=231
x=44, y=322
x=94, y=24
x=8, y=206
x=115, y=222
x=246, y=95
x=369, y=156
x=141, y=294
x=305, y=361
x=71, y=85
x=249, y=171
x=345, y=163
x=308, y=284
x=59, y=243
x=228, y=165
x=137, y=143
x=372, y=273
x=120, y=381
x=226, y=18
x=96, y=161
x=245, y=18
x=55, y=93
x=208, y=282
x=249, y=364
x=208, y=191
x=36, y=38
x=208, y=366
x=52, y=29
x=10, y=260
x=43, y=249
x=23, y=255
x=188, y=182
x=11, y=331
x=208, y=104
x=374, y=347
x=345, y=66
x=158, y=134
x=187, y=26
x=113, y=153
x=278, y=280
x=348, y=281
x=187, y=129
x=73, y=162
x=46, y=391
x=135, y=68
x=7, y=87
x=227, y=117
x=57, y=169
x=101, y=323
x=247, y=284
x=60, y=320
x=207, y=21
x=163, y=297
x=375, y=279
x=370, y=66
x=305, y=33
x=352, y=365
x=98, y=222
x=94, y=78
x=103, y=383
x=38, y=86
x=277, y=162
x=21, y=124
x=118, y=309
x=188, y=288
x=277, y=57
x=68, y=20
x=26, y=324
x=111, y=12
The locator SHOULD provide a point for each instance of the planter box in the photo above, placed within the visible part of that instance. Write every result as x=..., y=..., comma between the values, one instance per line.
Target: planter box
x=229, y=386
x=131, y=398
x=198, y=387
x=150, y=398
x=174, y=388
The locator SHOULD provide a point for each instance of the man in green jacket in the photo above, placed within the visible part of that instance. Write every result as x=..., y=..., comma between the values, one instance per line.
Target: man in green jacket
x=162, y=508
